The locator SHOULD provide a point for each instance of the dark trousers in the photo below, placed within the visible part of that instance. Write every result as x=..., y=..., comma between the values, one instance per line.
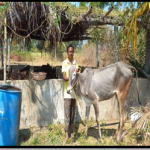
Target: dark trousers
x=69, y=111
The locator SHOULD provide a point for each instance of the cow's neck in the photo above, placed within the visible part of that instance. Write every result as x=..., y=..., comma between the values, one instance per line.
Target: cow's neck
x=80, y=80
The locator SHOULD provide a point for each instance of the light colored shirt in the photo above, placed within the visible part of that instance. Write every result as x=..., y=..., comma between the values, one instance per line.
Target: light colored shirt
x=65, y=68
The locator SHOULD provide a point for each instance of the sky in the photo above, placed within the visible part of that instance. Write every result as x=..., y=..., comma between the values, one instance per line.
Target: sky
x=106, y=8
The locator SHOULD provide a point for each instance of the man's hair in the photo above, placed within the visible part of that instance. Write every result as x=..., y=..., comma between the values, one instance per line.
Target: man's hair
x=70, y=46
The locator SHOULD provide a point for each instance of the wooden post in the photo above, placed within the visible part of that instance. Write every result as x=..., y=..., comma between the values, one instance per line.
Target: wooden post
x=8, y=51
x=97, y=54
x=55, y=48
x=115, y=44
x=5, y=47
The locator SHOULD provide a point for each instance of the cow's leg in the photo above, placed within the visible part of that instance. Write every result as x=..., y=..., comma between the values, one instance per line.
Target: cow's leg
x=122, y=116
x=86, y=119
x=122, y=95
x=96, y=108
x=119, y=119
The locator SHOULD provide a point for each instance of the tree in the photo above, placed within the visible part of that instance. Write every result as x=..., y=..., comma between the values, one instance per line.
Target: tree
x=39, y=44
x=102, y=5
x=131, y=28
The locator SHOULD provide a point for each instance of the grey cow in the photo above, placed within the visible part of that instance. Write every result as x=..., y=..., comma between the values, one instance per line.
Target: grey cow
x=102, y=84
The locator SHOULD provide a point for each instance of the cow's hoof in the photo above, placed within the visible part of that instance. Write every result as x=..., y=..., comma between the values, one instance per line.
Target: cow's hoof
x=117, y=141
x=98, y=140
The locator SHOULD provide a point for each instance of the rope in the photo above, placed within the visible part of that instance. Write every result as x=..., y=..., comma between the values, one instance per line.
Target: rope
x=76, y=105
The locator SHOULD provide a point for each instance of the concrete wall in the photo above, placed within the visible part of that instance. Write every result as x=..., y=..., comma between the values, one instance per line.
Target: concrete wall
x=43, y=104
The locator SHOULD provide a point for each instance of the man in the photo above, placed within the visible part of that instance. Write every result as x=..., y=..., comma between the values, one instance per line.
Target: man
x=69, y=99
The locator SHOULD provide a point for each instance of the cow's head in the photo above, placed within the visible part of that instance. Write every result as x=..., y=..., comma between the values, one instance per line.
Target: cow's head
x=72, y=78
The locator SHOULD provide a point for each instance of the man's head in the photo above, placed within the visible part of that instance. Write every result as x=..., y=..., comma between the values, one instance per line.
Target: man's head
x=70, y=51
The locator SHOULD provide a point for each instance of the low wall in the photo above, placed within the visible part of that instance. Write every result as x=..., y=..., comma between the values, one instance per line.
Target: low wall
x=43, y=104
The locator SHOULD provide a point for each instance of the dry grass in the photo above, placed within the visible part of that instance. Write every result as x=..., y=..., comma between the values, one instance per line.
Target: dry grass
x=54, y=135
x=85, y=57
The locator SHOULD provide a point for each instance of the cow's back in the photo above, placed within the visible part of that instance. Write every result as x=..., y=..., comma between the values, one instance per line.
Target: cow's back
x=105, y=81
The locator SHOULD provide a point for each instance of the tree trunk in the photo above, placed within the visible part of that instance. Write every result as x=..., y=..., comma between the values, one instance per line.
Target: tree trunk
x=115, y=44
x=97, y=54
x=147, y=52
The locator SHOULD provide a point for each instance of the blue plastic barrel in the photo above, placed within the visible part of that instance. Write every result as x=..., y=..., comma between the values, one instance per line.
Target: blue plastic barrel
x=10, y=107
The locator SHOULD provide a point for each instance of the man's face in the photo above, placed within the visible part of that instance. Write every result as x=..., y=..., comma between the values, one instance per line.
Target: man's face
x=70, y=52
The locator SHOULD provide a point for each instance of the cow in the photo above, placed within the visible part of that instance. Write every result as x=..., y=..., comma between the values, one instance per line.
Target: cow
x=101, y=84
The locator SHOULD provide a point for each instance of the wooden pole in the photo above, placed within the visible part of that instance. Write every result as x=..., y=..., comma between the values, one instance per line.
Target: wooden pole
x=5, y=47
x=8, y=51
x=55, y=48
x=115, y=44
x=1, y=51
x=97, y=54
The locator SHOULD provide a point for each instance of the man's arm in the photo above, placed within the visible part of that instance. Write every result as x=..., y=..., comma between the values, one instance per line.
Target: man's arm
x=64, y=77
x=64, y=72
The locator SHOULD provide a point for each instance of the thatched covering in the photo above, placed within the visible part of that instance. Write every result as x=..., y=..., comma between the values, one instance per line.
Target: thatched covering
x=35, y=20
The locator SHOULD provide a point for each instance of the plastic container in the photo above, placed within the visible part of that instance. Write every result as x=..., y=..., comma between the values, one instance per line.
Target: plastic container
x=10, y=108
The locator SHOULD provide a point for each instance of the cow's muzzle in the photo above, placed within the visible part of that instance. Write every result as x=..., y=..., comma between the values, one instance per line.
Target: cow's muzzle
x=69, y=90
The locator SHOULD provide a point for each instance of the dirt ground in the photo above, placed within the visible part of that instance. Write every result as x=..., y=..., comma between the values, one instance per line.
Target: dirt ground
x=53, y=135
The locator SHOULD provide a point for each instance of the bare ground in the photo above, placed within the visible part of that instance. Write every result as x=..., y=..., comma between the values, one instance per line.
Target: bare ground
x=54, y=135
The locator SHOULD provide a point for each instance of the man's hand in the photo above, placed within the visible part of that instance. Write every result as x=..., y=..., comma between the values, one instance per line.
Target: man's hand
x=79, y=69
x=64, y=77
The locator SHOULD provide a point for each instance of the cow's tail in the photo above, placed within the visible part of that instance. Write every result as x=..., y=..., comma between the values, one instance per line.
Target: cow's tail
x=136, y=83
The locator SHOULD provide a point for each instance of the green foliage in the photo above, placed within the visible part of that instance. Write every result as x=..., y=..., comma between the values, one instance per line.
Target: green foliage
x=35, y=141
x=121, y=144
x=22, y=144
x=46, y=3
x=101, y=35
x=139, y=60
x=39, y=44
x=56, y=20
x=50, y=127
x=22, y=54
x=6, y=5
x=102, y=5
x=58, y=132
x=53, y=138
x=53, y=5
x=83, y=4
x=32, y=46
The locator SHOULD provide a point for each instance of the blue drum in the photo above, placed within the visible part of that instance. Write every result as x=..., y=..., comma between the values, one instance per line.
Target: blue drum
x=10, y=109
